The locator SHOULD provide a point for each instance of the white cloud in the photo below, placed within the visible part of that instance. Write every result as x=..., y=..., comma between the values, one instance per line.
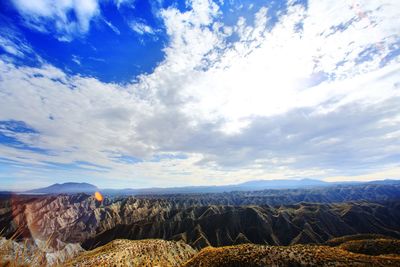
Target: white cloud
x=112, y=27
x=141, y=28
x=9, y=47
x=277, y=103
x=269, y=73
x=44, y=15
x=190, y=37
x=76, y=59
x=120, y=3
x=13, y=42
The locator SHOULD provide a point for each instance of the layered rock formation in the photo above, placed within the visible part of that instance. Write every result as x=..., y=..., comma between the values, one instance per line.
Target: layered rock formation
x=207, y=219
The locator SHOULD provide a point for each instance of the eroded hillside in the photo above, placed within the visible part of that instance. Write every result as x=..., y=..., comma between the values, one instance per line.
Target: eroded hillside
x=203, y=220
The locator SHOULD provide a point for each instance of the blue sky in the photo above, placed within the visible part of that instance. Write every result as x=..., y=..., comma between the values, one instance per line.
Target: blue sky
x=123, y=40
x=129, y=93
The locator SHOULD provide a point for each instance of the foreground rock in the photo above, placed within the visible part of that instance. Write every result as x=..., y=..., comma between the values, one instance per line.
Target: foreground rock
x=35, y=253
x=136, y=253
x=346, y=251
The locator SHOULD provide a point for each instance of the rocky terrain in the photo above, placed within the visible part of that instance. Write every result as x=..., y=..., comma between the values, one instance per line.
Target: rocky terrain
x=35, y=253
x=267, y=217
x=136, y=253
x=327, y=194
x=380, y=246
x=355, y=250
x=284, y=225
x=207, y=219
x=167, y=253
x=297, y=255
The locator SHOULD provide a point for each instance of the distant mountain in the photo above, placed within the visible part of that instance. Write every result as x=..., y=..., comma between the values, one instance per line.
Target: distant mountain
x=384, y=182
x=65, y=188
x=256, y=185
x=247, y=186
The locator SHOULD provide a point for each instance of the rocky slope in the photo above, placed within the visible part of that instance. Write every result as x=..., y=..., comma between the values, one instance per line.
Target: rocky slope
x=298, y=255
x=136, y=253
x=284, y=225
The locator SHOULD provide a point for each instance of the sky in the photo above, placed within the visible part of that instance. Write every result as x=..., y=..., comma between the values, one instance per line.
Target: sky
x=133, y=93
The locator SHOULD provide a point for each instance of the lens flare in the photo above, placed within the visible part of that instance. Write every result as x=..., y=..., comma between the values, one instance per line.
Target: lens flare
x=98, y=196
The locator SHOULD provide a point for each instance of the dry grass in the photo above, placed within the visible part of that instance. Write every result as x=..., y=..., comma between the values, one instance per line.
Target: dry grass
x=373, y=246
x=298, y=255
x=20, y=254
x=343, y=239
x=149, y=252
x=16, y=254
x=154, y=252
x=30, y=253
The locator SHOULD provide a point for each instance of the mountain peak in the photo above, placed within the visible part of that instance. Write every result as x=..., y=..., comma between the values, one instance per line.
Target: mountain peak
x=69, y=187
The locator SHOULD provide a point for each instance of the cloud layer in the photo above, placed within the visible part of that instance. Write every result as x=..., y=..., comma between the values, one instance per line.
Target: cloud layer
x=315, y=94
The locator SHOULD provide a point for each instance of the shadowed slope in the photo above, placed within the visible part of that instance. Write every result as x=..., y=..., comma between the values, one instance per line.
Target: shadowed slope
x=285, y=225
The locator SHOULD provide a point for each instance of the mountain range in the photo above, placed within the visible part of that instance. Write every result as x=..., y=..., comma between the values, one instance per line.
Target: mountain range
x=71, y=187
x=175, y=226
x=271, y=216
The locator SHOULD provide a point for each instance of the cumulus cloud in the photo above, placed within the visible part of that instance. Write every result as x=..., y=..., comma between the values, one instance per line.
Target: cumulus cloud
x=277, y=66
x=312, y=95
